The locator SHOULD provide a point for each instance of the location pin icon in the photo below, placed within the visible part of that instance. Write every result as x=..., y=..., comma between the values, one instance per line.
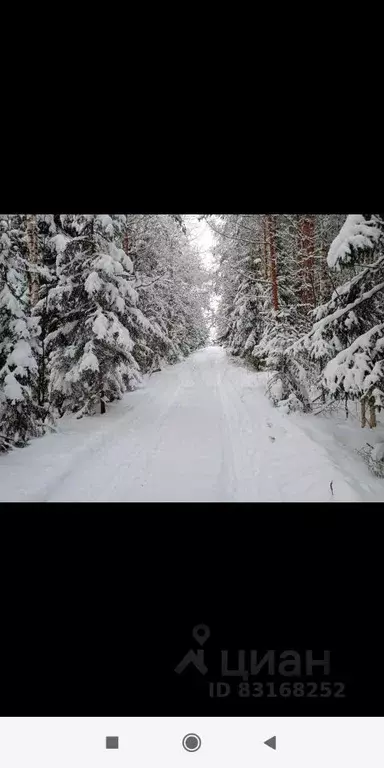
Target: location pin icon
x=201, y=633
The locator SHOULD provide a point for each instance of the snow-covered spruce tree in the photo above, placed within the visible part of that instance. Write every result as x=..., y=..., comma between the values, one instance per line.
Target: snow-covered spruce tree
x=141, y=243
x=346, y=342
x=192, y=294
x=97, y=298
x=256, y=281
x=187, y=296
x=327, y=228
x=91, y=360
x=225, y=255
x=241, y=283
x=272, y=273
x=21, y=418
x=294, y=260
x=42, y=276
x=170, y=284
x=149, y=251
x=33, y=236
x=283, y=315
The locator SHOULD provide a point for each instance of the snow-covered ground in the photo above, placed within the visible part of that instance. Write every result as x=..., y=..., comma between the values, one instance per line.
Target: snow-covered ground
x=201, y=430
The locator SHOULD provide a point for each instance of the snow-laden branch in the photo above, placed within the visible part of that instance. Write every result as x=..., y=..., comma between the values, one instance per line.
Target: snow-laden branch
x=356, y=234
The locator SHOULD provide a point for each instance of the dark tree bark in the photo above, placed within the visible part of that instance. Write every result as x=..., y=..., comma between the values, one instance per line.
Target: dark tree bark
x=272, y=251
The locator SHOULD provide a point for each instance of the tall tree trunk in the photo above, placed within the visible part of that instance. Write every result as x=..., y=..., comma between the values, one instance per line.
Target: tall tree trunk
x=307, y=260
x=92, y=239
x=126, y=240
x=92, y=245
x=102, y=401
x=301, y=262
x=363, y=406
x=265, y=242
x=42, y=365
x=34, y=290
x=372, y=414
x=323, y=274
x=272, y=251
x=309, y=249
x=33, y=251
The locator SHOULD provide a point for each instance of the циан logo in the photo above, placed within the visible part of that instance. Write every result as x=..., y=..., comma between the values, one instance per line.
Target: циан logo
x=285, y=664
x=200, y=633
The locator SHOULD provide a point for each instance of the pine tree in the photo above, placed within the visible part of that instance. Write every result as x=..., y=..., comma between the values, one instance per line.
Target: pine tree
x=271, y=273
x=150, y=255
x=20, y=415
x=241, y=282
x=170, y=283
x=97, y=300
x=42, y=270
x=346, y=341
x=91, y=360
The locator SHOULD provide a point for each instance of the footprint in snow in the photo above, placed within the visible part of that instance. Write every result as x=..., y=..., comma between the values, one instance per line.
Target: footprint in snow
x=272, y=439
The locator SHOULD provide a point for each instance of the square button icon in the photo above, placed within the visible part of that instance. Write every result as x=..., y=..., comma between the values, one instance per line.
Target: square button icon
x=112, y=742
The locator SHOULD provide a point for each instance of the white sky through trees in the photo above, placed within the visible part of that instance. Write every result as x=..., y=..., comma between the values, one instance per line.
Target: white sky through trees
x=202, y=235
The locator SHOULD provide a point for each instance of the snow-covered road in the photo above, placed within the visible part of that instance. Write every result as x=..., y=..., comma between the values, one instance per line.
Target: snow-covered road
x=201, y=430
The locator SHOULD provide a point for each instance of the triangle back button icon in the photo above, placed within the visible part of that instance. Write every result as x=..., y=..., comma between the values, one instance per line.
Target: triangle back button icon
x=271, y=742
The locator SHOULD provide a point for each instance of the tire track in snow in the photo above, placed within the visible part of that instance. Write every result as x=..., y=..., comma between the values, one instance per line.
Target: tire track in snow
x=227, y=478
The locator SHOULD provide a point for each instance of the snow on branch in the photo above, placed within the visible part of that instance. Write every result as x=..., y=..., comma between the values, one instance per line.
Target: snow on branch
x=356, y=234
x=359, y=368
x=316, y=333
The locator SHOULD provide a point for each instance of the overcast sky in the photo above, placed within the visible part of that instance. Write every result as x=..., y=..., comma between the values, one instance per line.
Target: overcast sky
x=201, y=235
